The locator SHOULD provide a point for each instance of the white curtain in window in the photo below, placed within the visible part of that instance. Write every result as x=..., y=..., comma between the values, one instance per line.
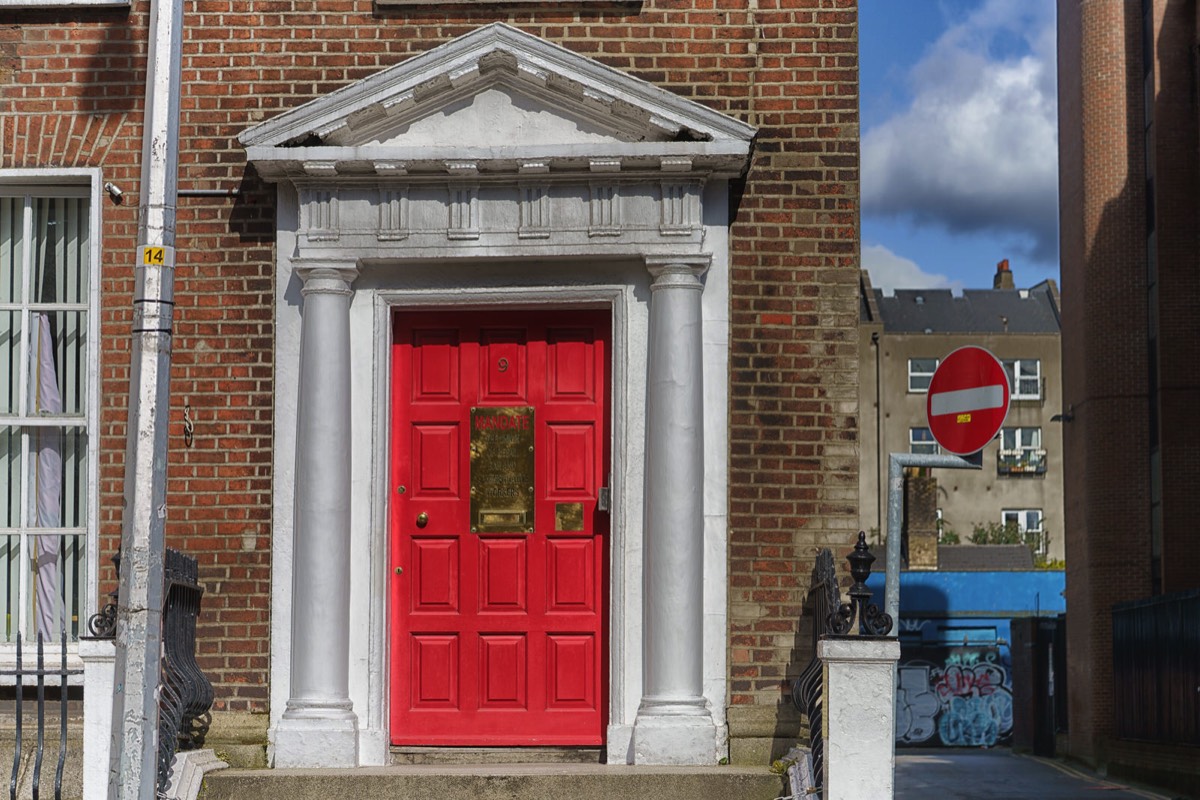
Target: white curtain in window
x=49, y=476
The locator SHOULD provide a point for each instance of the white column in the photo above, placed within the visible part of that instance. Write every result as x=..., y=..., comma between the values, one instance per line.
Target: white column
x=674, y=724
x=319, y=727
x=860, y=712
x=99, y=658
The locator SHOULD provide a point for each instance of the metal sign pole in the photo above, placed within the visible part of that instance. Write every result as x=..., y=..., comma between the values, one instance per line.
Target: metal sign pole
x=133, y=764
x=896, y=464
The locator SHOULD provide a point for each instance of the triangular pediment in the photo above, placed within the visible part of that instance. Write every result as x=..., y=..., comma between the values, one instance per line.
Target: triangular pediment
x=497, y=94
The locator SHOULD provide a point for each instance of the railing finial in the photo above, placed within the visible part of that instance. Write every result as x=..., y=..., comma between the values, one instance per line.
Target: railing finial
x=871, y=621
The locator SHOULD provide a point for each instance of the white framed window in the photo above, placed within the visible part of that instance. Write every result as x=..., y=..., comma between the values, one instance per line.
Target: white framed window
x=64, y=3
x=1028, y=522
x=1024, y=377
x=920, y=373
x=49, y=330
x=920, y=440
x=1021, y=451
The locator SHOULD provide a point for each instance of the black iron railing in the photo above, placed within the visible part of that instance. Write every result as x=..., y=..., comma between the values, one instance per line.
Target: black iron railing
x=1156, y=668
x=1021, y=461
x=40, y=674
x=186, y=695
x=831, y=617
x=808, y=690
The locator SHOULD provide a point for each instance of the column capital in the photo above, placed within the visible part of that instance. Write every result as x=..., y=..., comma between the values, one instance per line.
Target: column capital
x=326, y=277
x=678, y=271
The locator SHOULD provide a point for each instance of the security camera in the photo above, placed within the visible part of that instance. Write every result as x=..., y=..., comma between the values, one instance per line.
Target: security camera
x=114, y=192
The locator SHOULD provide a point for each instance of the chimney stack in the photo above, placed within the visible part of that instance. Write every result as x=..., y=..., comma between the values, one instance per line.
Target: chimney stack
x=1004, y=277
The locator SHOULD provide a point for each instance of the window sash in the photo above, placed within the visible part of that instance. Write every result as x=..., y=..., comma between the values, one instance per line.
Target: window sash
x=1024, y=378
x=921, y=441
x=920, y=373
x=1021, y=438
x=1026, y=519
x=48, y=325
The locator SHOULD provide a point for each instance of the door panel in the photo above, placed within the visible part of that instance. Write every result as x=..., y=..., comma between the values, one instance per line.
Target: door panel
x=498, y=615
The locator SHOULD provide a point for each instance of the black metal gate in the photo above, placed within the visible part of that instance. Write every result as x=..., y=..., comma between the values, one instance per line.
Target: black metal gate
x=1156, y=668
x=39, y=673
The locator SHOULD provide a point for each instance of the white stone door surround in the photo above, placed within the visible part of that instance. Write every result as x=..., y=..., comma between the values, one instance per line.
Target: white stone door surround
x=499, y=170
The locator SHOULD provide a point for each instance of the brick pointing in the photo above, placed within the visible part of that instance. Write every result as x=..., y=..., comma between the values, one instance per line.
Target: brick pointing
x=71, y=86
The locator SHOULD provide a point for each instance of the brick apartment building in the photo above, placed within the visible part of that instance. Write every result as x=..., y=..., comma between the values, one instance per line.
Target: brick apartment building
x=1129, y=183
x=627, y=232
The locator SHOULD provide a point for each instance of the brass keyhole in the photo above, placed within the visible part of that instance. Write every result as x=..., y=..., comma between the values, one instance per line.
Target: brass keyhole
x=422, y=519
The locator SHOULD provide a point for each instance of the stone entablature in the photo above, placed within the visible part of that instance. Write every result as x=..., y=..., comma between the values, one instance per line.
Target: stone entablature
x=523, y=214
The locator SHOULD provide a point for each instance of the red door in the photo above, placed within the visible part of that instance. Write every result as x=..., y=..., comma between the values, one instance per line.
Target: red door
x=498, y=549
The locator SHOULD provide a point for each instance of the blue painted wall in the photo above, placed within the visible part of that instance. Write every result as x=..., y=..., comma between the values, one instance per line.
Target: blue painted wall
x=954, y=679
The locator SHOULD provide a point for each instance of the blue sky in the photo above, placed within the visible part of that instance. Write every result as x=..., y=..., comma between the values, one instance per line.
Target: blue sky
x=959, y=141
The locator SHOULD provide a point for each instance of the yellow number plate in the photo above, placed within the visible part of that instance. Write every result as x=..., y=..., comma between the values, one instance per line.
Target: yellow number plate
x=158, y=256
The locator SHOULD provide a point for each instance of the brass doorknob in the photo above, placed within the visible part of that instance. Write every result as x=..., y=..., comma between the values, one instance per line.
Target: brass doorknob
x=422, y=519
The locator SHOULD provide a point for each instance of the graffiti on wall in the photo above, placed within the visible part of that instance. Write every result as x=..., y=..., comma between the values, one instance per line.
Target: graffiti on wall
x=954, y=697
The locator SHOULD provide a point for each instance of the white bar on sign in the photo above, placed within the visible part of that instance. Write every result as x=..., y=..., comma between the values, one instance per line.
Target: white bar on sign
x=964, y=400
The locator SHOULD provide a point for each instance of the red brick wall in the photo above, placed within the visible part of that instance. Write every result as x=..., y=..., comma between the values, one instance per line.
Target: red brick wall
x=72, y=82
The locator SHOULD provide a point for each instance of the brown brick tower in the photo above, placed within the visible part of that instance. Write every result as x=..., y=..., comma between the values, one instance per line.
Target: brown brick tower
x=1128, y=202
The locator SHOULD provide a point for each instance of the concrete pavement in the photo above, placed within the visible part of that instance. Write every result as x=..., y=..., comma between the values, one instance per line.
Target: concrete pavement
x=960, y=774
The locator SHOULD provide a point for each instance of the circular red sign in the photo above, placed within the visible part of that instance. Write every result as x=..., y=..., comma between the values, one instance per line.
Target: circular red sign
x=967, y=400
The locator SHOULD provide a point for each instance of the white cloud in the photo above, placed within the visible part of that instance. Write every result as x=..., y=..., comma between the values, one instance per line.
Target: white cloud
x=890, y=271
x=977, y=149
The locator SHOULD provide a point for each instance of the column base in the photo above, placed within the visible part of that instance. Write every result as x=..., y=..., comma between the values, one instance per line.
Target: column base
x=674, y=732
x=316, y=735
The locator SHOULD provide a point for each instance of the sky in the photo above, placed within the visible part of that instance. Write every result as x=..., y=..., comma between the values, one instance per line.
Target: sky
x=959, y=142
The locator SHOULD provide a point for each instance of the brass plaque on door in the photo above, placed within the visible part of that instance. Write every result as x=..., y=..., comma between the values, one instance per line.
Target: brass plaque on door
x=502, y=463
x=568, y=516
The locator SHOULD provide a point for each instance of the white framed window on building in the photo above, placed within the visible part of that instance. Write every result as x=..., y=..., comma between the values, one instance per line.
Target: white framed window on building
x=1024, y=377
x=920, y=373
x=920, y=440
x=64, y=3
x=1021, y=452
x=49, y=330
x=1029, y=524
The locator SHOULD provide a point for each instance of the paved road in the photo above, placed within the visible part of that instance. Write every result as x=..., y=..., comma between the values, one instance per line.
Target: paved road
x=957, y=774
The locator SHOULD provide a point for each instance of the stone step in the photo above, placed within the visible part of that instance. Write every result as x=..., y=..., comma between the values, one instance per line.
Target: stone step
x=72, y=781
x=497, y=782
x=497, y=755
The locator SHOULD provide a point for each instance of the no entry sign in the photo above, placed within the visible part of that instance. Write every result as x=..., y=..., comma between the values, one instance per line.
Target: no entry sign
x=967, y=401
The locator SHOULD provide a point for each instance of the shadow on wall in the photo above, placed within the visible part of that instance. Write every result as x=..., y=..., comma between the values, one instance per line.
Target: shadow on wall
x=108, y=70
